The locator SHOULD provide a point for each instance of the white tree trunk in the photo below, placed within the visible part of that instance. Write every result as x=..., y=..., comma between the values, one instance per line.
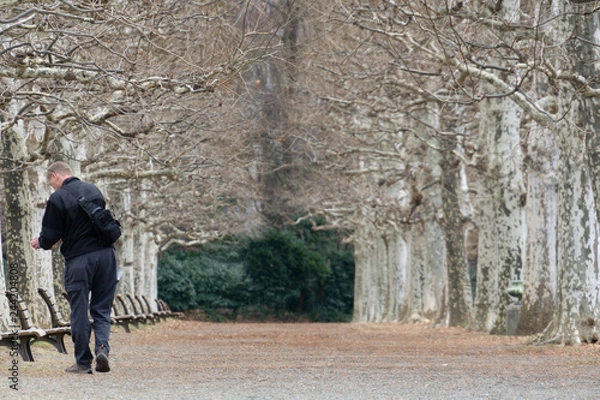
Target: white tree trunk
x=459, y=288
x=539, y=269
x=577, y=248
x=43, y=276
x=501, y=231
x=426, y=293
x=5, y=321
x=18, y=219
x=147, y=261
x=127, y=251
x=150, y=288
x=381, y=259
x=578, y=272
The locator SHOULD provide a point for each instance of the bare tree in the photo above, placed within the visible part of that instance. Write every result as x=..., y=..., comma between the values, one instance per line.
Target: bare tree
x=132, y=94
x=479, y=58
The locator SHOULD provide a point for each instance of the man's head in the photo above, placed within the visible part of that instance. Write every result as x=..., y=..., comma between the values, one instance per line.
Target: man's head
x=58, y=171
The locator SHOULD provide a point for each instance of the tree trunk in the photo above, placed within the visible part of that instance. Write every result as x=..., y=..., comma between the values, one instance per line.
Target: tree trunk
x=40, y=191
x=577, y=308
x=127, y=253
x=426, y=293
x=426, y=282
x=501, y=229
x=539, y=270
x=5, y=321
x=380, y=277
x=459, y=288
x=586, y=54
x=23, y=272
x=58, y=273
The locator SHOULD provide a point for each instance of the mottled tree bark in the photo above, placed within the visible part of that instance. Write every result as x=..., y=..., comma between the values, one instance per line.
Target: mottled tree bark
x=539, y=269
x=577, y=309
x=459, y=288
x=380, y=277
x=22, y=271
x=501, y=228
x=5, y=321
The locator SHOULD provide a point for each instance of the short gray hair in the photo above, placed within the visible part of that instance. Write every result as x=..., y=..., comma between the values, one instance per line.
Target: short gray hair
x=59, y=168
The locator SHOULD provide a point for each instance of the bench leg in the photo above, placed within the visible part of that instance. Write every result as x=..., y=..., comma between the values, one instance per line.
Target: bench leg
x=59, y=343
x=57, y=340
x=125, y=326
x=25, y=348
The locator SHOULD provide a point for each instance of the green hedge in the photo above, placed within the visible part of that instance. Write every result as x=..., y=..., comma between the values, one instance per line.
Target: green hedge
x=211, y=277
x=293, y=272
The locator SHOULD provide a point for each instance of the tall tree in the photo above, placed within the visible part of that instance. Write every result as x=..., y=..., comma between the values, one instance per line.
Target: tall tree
x=577, y=306
x=126, y=85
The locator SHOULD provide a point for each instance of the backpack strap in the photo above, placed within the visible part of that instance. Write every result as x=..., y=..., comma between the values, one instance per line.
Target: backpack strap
x=85, y=205
x=72, y=193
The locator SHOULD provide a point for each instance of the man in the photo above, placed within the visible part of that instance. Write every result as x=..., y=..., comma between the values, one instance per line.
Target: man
x=90, y=265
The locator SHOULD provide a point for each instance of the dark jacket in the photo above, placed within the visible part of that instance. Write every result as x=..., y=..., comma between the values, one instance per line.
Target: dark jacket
x=65, y=219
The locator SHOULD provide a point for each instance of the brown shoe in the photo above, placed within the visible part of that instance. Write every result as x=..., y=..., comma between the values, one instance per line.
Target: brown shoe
x=79, y=369
x=102, y=360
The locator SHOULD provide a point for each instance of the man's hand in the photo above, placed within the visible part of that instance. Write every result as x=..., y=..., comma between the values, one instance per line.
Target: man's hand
x=35, y=242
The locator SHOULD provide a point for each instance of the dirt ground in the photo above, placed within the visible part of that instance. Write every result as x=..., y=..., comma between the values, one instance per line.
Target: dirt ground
x=201, y=360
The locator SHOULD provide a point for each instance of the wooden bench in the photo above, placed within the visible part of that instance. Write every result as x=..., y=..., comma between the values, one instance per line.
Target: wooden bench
x=165, y=307
x=134, y=318
x=175, y=314
x=54, y=336
x=161, y=308
x=146, y=309
x=122, y=319
x=57, y=319
x=20, y=340
x=146, y=317
x=157, y=314
x=11, y=340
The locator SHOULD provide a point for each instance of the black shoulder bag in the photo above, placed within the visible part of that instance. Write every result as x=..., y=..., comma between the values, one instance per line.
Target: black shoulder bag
x=107, y=228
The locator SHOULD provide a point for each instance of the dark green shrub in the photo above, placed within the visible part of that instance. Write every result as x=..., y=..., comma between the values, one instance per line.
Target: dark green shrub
x=338, y=297
x=209, y=277
x=285, y=273
x=337, y=300
x=176, y=280
x=289, y=273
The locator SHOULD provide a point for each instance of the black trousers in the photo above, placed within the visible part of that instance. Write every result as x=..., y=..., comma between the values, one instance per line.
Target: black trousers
x=94, y=273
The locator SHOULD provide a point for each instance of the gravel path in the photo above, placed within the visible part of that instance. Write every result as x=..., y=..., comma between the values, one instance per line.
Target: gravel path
x=200, y=360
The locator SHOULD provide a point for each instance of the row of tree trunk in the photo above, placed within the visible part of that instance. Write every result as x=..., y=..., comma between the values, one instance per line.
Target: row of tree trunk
x=518, y=177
